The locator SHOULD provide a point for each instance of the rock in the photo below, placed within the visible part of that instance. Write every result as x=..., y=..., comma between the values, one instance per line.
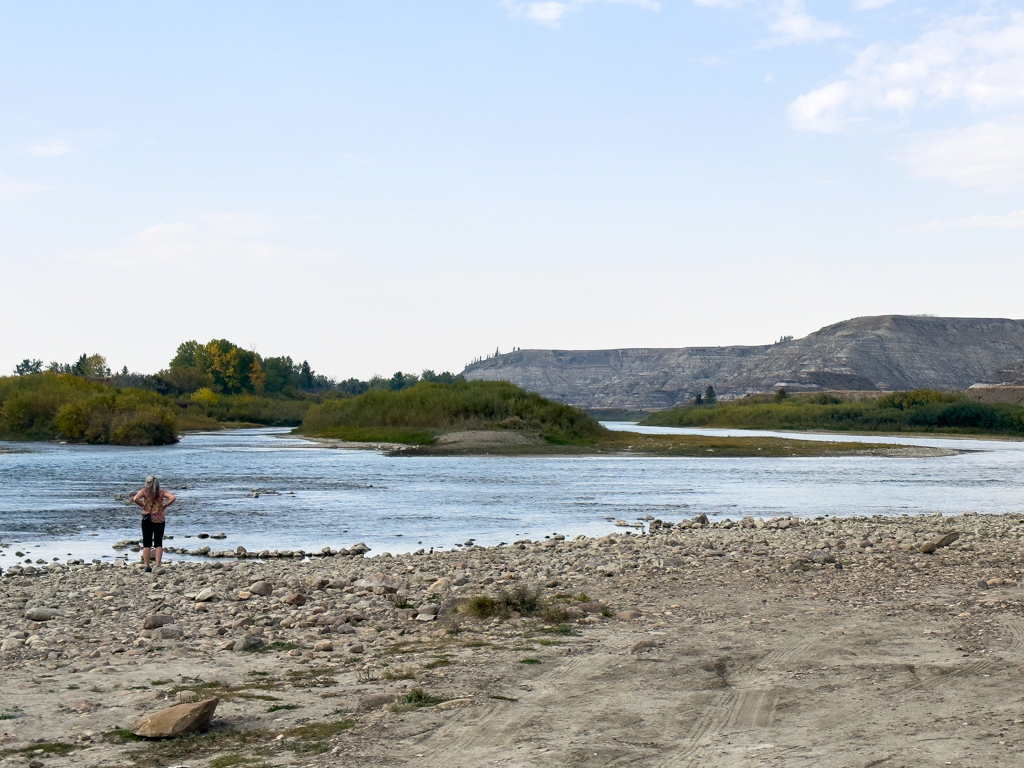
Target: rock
x=928, y=547
x=357, y=648
x=261, y=588
x=205, y=595
x=946, y=540
x=41, y=614
x=701, y=519
x=430, y=609
x=375, y=701
x=645, y=645
x=454, y=704
x=168, y=632
x=359, y=549
x=155, y=620
x=628, y=615
x=426, y=617
x=593, y=607
x=324, y=645
x=389, y=582
x=11, y=644
x=296, y=599
x=981, y=584
x=440, y=585
x=187, y=697
x=177, y=720
x=248, y=643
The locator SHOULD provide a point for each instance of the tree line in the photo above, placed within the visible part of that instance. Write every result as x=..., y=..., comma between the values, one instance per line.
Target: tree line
x=224, y=368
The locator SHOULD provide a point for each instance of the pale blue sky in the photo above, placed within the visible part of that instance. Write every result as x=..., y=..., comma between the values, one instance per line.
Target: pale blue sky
x=400, y=185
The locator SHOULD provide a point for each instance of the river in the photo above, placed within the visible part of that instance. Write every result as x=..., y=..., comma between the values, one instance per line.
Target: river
x=59, y=500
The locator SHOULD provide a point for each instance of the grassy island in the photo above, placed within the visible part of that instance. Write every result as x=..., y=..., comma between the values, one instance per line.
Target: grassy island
x=423, y=413
x=922, y=410
x=498, y=418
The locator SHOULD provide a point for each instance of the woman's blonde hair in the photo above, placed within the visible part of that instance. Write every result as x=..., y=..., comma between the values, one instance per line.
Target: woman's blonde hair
x=152, y=487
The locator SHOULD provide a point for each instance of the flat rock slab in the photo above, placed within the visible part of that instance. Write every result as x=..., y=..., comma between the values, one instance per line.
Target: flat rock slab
x=156, y=620
x=41, y=614
x=177, y=720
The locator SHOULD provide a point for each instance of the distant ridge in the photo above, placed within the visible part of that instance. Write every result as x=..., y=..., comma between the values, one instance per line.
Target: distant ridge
x=887, y=352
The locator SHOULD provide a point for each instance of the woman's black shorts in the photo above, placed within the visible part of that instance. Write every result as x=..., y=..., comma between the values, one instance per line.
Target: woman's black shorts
x=152, y=533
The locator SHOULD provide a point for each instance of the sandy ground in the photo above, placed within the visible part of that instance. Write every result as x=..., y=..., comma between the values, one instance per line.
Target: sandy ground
x=833, y=643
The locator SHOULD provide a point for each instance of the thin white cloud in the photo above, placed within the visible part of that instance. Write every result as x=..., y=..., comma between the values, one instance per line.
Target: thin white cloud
x=218, y=243
x=821, y=110
x=978, y=59
x=1009, y=221
x=870, y=5
x=48, y=148
x=790, y=23
x=552, y=12
x=11, y=188
x=987, y=155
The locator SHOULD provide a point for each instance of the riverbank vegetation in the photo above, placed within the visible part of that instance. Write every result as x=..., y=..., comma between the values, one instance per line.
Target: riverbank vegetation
x=921, y=410
x=205, y=386
x=49, y=406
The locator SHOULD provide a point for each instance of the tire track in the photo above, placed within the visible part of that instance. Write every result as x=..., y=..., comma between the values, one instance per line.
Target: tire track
x=738, y=704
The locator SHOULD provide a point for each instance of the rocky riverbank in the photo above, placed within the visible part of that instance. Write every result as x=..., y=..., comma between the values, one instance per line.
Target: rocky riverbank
x=753, y=642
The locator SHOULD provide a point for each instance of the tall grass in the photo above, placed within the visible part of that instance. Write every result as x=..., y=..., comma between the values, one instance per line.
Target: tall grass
x=462, y=405
x=917, y=410
x=50, y=406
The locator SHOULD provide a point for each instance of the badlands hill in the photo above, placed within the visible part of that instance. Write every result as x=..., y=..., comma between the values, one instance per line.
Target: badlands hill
x=884, y=353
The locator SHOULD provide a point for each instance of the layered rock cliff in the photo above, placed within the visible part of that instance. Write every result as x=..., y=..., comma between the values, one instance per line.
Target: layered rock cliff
x=888, y=352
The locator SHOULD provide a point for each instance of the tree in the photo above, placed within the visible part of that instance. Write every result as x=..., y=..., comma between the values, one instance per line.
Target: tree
x=699, y=399
x=305, y=376
x=781, y=394
x=279, y=373
x=26, y=366
x=709, y=395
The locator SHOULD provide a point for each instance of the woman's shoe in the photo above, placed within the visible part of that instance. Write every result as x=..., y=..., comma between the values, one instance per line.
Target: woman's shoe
x=148, y=569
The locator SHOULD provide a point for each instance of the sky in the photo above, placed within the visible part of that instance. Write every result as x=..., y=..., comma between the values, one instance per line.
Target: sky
x=383, y=186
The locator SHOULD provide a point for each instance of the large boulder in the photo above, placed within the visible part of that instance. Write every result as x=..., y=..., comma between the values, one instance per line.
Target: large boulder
x=177, y=720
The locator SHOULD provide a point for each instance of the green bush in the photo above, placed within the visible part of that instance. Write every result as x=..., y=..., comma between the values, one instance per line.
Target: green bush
x=458, y=406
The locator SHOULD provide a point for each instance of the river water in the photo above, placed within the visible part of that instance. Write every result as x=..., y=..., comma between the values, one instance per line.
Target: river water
x=59, y=500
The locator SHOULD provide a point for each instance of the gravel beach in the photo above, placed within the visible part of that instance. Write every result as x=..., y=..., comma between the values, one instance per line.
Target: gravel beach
x=831, y=642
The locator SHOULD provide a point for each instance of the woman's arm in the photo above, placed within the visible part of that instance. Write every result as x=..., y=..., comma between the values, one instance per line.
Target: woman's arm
x=140, y=498
x=169, y=498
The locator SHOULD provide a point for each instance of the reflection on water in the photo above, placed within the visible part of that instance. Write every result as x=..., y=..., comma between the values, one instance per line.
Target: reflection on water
x=54, y=497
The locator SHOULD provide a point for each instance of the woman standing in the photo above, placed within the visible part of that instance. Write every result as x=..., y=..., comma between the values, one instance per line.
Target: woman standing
x=153, y=500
